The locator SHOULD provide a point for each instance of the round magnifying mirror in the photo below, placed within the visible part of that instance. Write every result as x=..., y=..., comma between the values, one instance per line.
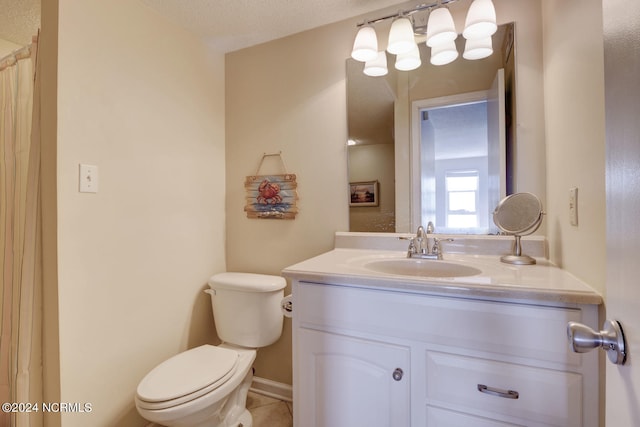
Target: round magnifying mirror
x=518, y=214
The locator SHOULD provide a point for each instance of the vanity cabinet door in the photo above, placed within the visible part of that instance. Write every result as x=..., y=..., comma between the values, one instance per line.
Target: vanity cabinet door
x=350, y=381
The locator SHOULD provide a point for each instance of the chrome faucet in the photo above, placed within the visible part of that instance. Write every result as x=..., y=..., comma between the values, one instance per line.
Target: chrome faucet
x=419, y=246
x=421, y=240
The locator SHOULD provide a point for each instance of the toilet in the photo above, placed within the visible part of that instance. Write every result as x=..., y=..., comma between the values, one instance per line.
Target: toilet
x=208, y=385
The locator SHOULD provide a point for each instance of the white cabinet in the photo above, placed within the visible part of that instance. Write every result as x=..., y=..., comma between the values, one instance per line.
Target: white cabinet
x=457, y=361
x=352, y=382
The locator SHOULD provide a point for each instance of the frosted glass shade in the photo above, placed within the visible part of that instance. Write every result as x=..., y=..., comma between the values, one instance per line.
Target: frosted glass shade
x=378, y=66
x=409, y=61
x=365, y=46
x=481, y=20
x=444, y=53
x=401, y=39
x=478, y=48
x=440, y=27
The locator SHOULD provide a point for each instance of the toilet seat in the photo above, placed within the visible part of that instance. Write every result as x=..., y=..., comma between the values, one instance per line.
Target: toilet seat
x=186, y=377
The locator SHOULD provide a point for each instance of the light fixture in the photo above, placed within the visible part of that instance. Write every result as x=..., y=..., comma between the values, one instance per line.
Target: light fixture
x=478, y=48
x=440, y=31
x=378, y=66
x=409, y=61
x=444, y=54
x=440, y=27
x=481, y=20
x=365, y=46
x=401, y=38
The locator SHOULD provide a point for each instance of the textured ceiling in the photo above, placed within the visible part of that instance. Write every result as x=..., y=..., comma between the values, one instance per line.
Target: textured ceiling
x=229, y=25
x=19, y=20
x=226, y=25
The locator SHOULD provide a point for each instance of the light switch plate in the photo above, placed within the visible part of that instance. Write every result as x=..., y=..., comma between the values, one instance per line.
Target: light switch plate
x=573, y=206
x=88, y=178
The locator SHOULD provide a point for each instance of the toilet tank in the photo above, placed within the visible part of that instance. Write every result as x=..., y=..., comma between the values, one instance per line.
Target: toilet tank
x=246, y=308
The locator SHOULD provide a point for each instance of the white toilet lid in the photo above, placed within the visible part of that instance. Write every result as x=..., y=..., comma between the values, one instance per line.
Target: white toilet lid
x=187, y=372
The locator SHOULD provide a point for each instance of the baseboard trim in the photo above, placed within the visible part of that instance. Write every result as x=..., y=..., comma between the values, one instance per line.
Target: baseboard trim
x=272, y=388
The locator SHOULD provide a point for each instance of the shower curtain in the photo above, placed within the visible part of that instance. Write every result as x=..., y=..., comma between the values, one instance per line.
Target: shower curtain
x=20, y=238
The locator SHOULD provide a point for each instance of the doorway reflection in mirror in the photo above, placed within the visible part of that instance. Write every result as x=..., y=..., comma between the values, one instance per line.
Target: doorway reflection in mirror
x=456, y=167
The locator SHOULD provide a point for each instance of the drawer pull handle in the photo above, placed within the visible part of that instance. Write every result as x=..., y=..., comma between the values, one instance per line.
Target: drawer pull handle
x=507, y=394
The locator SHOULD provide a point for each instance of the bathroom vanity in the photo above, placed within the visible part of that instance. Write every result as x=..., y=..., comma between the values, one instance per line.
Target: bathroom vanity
x=380, y=340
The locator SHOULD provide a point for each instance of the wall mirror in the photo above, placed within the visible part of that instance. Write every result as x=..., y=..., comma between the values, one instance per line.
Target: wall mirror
x=431, y=140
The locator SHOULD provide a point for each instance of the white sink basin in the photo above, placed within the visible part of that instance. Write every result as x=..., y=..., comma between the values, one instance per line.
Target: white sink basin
x=421, y=267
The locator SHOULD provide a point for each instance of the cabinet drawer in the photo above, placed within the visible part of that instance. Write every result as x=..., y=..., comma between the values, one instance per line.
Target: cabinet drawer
x=545, y=397
x=527, y=331
x=437, y=417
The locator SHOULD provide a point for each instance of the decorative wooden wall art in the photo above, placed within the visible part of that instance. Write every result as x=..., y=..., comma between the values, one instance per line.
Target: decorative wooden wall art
x=271, y=196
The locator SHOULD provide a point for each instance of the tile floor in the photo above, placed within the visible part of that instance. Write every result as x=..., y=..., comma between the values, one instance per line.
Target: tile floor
x=266, y=411
x=269, y=412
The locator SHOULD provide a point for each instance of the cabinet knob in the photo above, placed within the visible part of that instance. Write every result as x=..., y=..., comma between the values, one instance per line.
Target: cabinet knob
x=397, y=374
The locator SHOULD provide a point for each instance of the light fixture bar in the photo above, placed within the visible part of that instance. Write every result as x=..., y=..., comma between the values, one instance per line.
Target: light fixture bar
x=418, y=8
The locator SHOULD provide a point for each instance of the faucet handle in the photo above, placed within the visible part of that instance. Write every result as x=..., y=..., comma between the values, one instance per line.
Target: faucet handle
x=436, y=241
x=412, y=245
x=436, y=246
x=415, y=244
x=430, y=228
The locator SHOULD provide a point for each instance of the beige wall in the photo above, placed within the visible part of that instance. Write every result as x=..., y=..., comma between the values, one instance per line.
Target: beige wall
x=574, y=116
x=289, y=95
x=142, y=100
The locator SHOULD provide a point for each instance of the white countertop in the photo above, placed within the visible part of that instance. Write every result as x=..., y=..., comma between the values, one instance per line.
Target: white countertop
x=542, y=282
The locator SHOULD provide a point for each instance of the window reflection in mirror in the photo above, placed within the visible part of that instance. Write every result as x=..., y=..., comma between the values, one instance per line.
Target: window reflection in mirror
x=463, y=197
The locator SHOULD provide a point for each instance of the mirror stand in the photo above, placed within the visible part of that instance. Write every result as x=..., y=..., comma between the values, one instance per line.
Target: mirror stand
x=517, y=257
x=519, y=214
